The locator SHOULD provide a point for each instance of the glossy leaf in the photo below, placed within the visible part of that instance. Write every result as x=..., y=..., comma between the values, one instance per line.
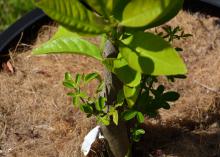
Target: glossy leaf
x=83, y=95
x=139, y=13
x=120, y=68
x=131, y=94
x=68, y=81
x=78, y=79
x=128, y=115
x=151, y=54
x=72, y=94
x=86, y=108
x=74, y=16
x=115, y=117
x=139, y=132
x=69, y=84
x=100, y=104
x=120, y=96
x=140, y=117
x=63, y=32
x=76, y=100
x=68, y=76
x=104, y=120
x=103, y=7
x=100, y=87
x=173, y=9
x=70, y=45
x=91, y=76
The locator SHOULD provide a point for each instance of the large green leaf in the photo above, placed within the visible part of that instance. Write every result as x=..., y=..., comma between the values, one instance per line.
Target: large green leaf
x=68, y=43
x=121, y=69
x=63, y=32
x=107, y=7
x=74, y=16
x=103, y=7
x=151, y=54
x=131, y=94
x=170, y=12
x=139, y=13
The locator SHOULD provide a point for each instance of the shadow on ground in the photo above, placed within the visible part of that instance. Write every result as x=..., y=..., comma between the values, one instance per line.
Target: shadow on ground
x=183, y=138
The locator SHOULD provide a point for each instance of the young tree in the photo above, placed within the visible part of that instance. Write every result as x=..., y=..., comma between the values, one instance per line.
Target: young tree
x=133, y=58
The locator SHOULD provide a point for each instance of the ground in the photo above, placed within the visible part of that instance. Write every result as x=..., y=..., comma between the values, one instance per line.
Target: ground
x=37, y=119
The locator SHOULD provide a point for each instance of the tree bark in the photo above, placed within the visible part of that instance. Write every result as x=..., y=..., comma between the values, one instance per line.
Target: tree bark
x=116, y=136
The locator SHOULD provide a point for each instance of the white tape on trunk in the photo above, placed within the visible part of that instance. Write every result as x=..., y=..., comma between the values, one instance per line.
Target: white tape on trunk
x=90, y=138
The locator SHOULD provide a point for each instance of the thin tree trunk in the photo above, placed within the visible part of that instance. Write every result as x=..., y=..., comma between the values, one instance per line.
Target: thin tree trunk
x=116, y=136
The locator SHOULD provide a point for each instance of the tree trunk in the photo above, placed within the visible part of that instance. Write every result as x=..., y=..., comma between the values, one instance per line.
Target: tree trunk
x=116, y=136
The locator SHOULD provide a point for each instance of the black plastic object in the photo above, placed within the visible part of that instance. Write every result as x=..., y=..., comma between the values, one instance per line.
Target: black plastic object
x=28, y=24
x=202, y=7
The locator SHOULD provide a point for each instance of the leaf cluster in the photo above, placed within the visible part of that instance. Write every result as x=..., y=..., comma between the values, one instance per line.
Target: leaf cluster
x=90, y=105
x=142, y=55
x=146, y=100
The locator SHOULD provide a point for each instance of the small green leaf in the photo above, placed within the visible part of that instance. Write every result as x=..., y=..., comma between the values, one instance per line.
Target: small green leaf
x=68, y=76
x=171, y=96
x=69, y=45
x=139, y=132
x=86, y=108
x=100, y=104
x=76, y=100
x=74, y=16
x=128, y=115
x=104, y=120
x=100, y=87
x=119, y=104
x=140, y=117
x=131, y=94
x=151, y=54
x=69, y=84
x=83, y=95
x=92, y=76
x=115, y=117
x=72, y=94
x=78, y=79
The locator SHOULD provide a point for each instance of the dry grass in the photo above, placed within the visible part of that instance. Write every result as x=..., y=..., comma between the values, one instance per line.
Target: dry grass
x=37, y=117
x=38, y=120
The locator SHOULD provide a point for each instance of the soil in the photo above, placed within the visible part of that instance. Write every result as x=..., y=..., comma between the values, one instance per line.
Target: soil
x=37, y=119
